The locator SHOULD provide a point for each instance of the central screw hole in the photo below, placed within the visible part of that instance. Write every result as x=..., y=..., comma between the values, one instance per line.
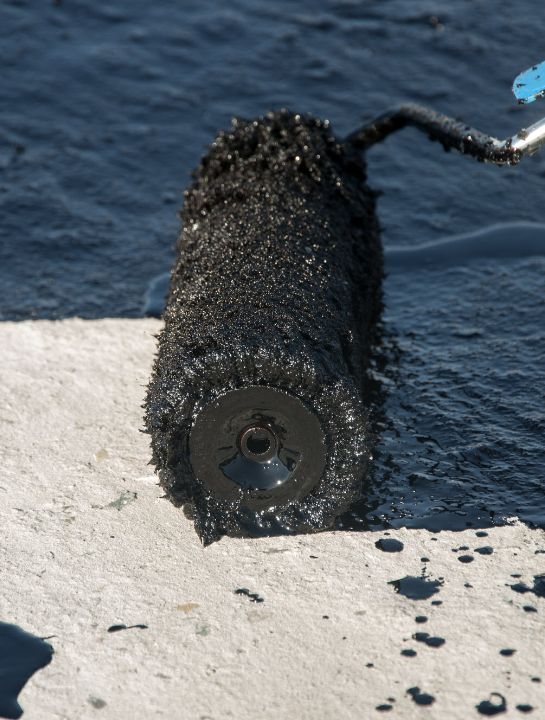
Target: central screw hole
x=256, y=442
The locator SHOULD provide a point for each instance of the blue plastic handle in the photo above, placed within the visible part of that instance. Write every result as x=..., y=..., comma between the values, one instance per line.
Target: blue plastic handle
x=530, y=84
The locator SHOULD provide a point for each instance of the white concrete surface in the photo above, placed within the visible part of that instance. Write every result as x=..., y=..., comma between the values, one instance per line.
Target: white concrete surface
x=72, y=564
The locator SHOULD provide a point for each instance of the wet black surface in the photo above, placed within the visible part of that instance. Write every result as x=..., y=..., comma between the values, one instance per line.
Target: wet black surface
x=21, y=655
x=107, y=110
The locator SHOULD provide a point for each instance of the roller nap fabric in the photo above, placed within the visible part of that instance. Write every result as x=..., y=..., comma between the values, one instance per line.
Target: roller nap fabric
x=256, y=405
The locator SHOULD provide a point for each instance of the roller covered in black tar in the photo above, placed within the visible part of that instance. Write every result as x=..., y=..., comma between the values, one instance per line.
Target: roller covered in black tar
x=256, y=403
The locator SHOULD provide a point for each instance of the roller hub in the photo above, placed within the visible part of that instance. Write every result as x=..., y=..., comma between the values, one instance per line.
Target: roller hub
x=260, y=445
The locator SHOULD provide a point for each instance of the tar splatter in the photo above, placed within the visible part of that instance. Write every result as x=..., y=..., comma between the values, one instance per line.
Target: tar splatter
x=538, y=588
x=486, y=550
x=495, y=705
x=389, y=545
x=21, y=655
x=416, y=588
x=253, y=597
x=421, y=698
x=117, y=628
x=428, y=639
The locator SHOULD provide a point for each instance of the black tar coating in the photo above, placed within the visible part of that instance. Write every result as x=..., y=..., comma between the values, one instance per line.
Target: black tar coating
x=277, y=282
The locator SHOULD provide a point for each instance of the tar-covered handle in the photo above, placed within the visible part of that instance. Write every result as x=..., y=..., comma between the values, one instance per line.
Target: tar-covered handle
x=257, y=403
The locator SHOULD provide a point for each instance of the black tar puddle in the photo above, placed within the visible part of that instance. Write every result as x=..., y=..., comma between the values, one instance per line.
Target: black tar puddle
x=416, y=587
x=21, y=655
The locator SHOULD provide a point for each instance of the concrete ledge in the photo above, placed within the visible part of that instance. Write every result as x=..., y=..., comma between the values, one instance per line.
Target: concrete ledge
x=88, y=542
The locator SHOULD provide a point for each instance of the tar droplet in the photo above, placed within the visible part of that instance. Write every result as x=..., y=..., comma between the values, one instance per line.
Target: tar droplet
x=21, y=655
x=389, y=545
x=384, y=708
x=426, y=638
x=436, y=602
x=523, y=708
x=466, y=558
x=481, y=533
x=486, y=550
x=421, y=619
x=420, y=698
x=493, y=706
x=416, y=588
x=408, y=652
x=507, y=652
x=253, y=597
x=529, y=608
x=117, y=628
